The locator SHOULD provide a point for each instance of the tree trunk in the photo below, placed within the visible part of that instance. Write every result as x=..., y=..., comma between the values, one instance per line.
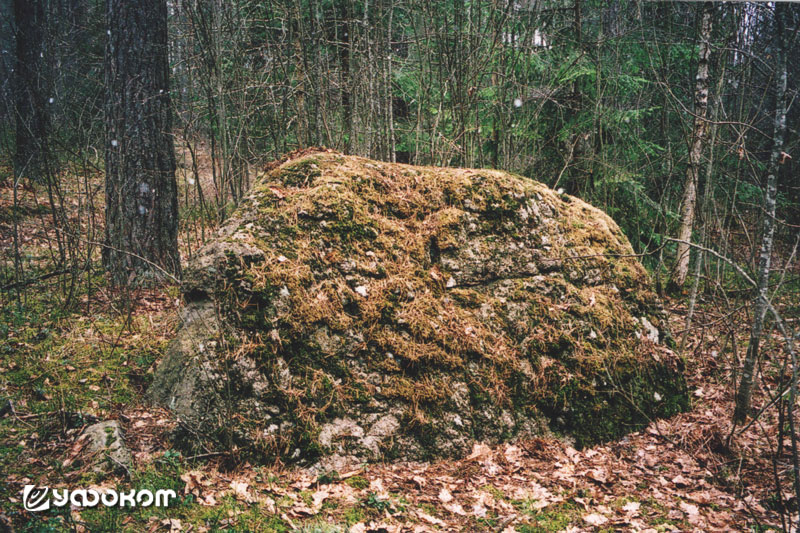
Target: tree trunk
x=392, y=141
x=31, y=115
x=681, y=268
x=760, y=305
x=344, y=60
x=141, y=191
x=494, y=144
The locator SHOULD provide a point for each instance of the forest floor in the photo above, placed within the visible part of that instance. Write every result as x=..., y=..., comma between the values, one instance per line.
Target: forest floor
x=61, y=371
x=677, y=475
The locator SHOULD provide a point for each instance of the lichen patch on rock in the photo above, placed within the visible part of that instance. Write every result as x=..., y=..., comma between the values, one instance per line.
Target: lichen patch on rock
x=363, y=310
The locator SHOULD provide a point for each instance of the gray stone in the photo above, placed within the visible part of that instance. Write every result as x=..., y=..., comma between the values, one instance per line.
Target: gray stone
x=371, y=311
x=106, y=444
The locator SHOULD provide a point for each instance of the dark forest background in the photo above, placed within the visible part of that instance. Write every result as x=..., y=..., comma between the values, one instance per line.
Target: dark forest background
x=596, y=98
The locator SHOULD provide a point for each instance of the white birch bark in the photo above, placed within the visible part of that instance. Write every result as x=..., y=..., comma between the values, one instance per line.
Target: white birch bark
x=681, y=269
x=761, y=304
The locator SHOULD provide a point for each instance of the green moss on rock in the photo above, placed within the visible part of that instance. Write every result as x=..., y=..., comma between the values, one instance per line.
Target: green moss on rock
x=388, y=309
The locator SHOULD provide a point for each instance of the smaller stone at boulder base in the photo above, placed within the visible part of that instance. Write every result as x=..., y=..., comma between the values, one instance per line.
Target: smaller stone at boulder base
x=106, y=441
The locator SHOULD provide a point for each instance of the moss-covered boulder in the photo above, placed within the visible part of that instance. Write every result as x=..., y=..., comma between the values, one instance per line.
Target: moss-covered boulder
x=364, y=310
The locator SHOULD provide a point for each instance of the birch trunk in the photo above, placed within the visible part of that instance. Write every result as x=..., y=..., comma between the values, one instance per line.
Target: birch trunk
x=761, y=304
x=699, y=130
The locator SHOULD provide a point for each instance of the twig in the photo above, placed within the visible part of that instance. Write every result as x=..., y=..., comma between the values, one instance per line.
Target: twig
x=26, y=282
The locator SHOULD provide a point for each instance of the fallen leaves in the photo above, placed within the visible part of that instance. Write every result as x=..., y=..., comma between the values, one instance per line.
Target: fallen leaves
x=680, y=481
x=689, y=509
x=240, y=491
x=597, y=474
x=612, y=486
x=431, y=519
x=197, y=483
x=631, y=507
x=595, y=519
x=665, y=474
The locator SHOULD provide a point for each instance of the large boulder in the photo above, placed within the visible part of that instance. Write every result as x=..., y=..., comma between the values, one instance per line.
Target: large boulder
x=358, y=310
